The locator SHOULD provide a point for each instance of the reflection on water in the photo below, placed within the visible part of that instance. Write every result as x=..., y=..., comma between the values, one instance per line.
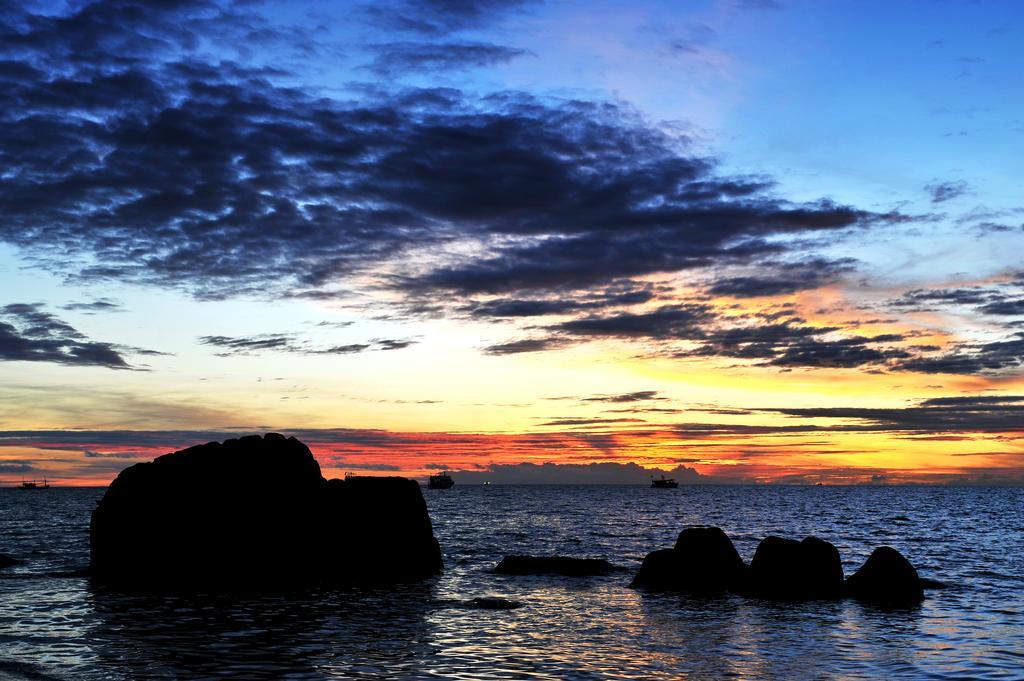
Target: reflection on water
x=356, y=633
x=55, y=626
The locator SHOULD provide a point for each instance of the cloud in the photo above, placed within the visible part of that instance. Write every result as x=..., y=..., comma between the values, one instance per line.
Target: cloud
x=667, y=322
x=291, y=343
x=638, y=396
x=972, y=358
x=926, y=299
x=1002, y=413
x=89, y=454
x=341, y=462
x=783, y=278
x=30, y=334
x=589, y=422
x=216, y=181
x=694, y=40
x=522, y=345
x=946, y=191
x=438, y=17
x=129, y=157
x=394, y=59
x=1013, y=307
x=623, y=293
x=93, y=306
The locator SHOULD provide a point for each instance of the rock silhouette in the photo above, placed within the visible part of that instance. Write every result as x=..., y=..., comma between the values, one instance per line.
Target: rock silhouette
x=796, y=570
x=886, y=578
x=8, y=561
x=703, y=560
x=256, y=511
x=553, y=565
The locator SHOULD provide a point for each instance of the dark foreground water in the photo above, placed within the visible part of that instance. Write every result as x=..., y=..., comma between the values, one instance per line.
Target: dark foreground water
x=55, y=626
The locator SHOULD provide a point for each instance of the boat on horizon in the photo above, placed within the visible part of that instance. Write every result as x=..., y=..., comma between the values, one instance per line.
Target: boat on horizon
x=440, y=481
x=32, y=484
x=664, y=483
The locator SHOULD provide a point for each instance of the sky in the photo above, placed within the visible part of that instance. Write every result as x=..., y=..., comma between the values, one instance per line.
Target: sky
x=735, y=241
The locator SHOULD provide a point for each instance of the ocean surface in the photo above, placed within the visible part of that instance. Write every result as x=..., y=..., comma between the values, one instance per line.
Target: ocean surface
x=53, y=625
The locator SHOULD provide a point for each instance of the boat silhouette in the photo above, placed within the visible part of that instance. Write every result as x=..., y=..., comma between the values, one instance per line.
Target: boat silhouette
x=664, y=483
x=32, y=484
x=440, y=481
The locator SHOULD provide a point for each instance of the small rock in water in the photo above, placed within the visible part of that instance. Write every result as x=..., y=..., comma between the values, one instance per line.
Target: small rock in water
x=796, y=570
x=8, y=561
x=703, y=560
x=886, y=578
x=553, y=565
x=494, y=603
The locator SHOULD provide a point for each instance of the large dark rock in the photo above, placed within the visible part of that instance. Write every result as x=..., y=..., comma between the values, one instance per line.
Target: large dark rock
x=256, y=511
x=796, y=570
x=703, y=560
x=553, y=565
x=887, y=578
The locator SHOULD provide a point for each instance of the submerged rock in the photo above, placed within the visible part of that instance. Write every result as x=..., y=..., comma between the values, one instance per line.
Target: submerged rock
x=494, y=603
x=887, y=578
x=796, y=570
x=257, y=511
x=703, y=560
x=8, y=561
x=553, y=565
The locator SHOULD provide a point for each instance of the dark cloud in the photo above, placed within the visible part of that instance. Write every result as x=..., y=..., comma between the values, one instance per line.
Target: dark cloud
x=395, y=59
x=620, y=295
x=522, y=345
x=128, y=157
x=438, y=17
x=30, y=334
x=927, y=299
x=292, y=343
x=936, y=415
x=638, y=396
x=216, y=180
x=644, y=410
x=785, y=278
x=93, y=306
x=842, y=353
x=667, y=322
x=946, y=191
x=589, y=422
x=8, y=468
x=236, y=345
x=1014, y=307
x=972, y=358
x=783, y=344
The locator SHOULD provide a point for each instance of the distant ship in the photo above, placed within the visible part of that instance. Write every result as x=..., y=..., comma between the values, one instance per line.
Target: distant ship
x=32, y=484
x=440, y=481
x=664, y=483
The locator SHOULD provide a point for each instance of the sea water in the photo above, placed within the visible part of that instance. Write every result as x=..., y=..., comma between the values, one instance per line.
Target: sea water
x=53, y=624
